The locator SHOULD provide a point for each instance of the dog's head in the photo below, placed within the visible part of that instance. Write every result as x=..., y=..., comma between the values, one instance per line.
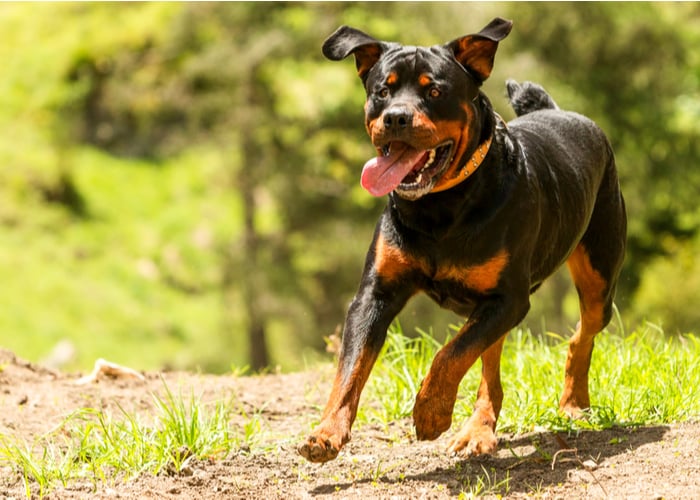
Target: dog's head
x=420, y=111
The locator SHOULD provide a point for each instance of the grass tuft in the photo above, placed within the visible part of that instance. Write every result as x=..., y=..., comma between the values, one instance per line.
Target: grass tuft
x=397, y=375
x=487, y=483
x=98, y=445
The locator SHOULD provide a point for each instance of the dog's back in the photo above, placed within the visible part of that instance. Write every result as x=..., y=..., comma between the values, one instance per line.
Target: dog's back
x=547, y=133
x=573, y=164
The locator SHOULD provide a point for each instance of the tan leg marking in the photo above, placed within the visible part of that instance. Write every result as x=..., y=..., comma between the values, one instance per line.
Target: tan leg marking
x=591, y=288
x=478, y=436
x=333, y=432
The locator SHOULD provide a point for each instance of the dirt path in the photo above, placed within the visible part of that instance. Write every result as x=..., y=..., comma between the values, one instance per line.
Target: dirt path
x=653, y=462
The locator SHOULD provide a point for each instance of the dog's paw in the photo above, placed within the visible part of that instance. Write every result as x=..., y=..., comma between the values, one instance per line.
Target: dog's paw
x=317, y=451
x=574, y=411
x=323, y=444
x=431, y=416
x=475, y=438
x=575, y=405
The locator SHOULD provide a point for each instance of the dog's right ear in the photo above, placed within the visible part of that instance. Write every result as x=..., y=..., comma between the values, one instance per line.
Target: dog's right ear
x=346, y=41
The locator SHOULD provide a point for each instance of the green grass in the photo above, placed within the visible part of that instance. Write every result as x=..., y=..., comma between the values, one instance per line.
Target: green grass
x=109, y=276
x=640, y=378
x=97, y=445
x=488, y=483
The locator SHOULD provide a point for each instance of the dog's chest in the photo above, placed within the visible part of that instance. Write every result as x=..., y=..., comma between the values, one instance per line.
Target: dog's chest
x=451, y=296
x=453, y=284
x=456, y=287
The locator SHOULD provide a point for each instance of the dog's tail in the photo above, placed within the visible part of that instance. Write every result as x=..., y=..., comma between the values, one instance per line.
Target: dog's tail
x=527, y=97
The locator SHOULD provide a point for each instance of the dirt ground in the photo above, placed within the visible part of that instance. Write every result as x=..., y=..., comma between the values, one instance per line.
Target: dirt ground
x=652, y=462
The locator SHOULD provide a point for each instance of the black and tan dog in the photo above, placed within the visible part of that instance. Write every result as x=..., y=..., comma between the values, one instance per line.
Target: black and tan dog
x=479, y=214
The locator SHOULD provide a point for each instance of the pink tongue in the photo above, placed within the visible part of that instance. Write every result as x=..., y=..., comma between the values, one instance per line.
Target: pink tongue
x=382, y=174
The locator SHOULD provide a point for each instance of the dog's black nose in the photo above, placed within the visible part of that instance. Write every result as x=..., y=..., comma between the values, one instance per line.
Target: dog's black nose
x=397, y=118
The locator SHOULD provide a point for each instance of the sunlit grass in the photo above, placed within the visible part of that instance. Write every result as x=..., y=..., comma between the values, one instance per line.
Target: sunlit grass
x=486, y=483
x=638, y=378
x=102, y=446
x=396, y=377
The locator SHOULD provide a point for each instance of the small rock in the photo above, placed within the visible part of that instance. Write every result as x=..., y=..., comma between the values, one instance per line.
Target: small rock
x=590, y=465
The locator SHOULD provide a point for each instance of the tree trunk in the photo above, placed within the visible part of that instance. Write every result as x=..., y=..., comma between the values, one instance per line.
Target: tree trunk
x=253, y=274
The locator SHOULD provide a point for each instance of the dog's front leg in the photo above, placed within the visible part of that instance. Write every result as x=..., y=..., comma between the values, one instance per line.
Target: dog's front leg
x=369, y=316
x=478, y=434
x=490, y=321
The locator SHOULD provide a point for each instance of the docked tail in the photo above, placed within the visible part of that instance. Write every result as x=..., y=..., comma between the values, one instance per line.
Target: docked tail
x=527, y=97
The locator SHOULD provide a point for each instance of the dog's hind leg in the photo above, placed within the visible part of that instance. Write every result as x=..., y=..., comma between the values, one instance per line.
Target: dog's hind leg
x=594, y=266
x=478, y=436
x=596, y=306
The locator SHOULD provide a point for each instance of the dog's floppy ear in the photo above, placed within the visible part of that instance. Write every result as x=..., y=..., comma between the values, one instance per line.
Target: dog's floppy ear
x=476, y=52
x=346, y=41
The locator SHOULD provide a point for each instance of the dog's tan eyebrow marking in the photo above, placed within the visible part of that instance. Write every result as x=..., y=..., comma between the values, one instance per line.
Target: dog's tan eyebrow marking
x=392, y=78
x=424, y=80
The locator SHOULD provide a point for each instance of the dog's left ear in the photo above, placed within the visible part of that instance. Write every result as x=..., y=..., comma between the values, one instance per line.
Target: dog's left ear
x=346, y=40
x=476, y=52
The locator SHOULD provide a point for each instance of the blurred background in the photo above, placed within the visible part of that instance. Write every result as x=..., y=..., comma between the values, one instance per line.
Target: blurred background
x=179, y=183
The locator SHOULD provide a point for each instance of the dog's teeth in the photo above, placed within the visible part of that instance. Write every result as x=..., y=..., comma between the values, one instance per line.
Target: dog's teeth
x=431, y=157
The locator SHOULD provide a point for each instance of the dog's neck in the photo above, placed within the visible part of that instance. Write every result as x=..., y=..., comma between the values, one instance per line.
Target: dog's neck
x=490, y=121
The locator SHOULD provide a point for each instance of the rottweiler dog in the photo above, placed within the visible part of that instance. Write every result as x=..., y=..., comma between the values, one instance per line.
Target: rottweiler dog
x=479, y=214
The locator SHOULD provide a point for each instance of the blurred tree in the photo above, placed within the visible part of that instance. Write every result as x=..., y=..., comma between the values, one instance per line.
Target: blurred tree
x=237, y=77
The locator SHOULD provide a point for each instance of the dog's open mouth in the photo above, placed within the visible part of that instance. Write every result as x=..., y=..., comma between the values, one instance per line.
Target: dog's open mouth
x=424, y=174
x=409, y=171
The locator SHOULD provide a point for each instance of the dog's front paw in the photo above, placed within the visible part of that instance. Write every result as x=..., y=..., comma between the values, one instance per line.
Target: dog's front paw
x=575, y=405
x=475, y=438
x=575, y=412
x=322, y=446
x=432, y=414
x=318, y=450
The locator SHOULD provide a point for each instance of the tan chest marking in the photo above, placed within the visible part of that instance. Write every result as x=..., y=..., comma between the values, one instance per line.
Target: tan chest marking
x=391, y=263
x=481, y=277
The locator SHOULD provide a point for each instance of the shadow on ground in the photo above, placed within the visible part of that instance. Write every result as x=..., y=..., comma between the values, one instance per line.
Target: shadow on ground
x=524, y=464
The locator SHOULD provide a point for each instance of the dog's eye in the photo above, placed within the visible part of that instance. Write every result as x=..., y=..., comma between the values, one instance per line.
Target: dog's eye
x=383, y=93
x=434, y=93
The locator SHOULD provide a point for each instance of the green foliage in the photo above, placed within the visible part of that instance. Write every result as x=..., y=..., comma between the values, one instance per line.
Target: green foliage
x=670, y=286
x=118, y=280
x=176, y=177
